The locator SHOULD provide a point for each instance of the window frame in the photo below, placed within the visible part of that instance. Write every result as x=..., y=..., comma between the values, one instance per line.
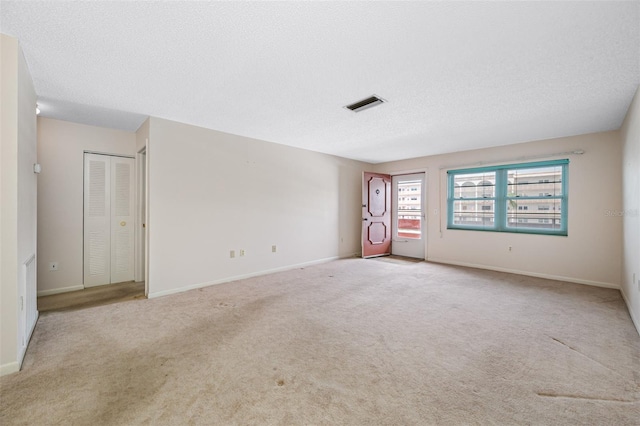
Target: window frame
x=501, y=198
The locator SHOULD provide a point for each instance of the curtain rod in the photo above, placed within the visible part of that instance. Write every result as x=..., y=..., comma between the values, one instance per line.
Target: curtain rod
x=529, y=157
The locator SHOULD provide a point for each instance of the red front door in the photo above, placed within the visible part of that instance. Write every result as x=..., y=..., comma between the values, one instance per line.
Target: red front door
x=376, y=214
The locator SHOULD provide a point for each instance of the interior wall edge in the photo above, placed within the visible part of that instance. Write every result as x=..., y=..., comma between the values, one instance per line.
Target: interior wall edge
x=634, y=319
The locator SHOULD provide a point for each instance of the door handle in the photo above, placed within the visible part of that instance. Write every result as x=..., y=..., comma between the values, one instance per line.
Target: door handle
x=364, y=219
x=123, y=223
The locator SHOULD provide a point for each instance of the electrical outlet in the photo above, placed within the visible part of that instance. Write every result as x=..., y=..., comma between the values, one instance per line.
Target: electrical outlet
x=241, y=252
x=273, y=249
x=510, y=248
x=53, y=266
x=232, y=254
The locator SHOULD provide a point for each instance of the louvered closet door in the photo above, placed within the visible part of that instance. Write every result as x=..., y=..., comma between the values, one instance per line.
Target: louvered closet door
x=97, y=220
x=108, y=220
x=122, y=219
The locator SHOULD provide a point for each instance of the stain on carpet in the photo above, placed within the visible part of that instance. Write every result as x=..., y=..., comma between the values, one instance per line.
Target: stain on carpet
x=591, y=398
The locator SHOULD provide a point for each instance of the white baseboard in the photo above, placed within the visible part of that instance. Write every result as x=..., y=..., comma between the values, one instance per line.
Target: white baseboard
x=12, y=367
x=635, y=320
x=241, y=277
x=60, y=290
x=527, y=273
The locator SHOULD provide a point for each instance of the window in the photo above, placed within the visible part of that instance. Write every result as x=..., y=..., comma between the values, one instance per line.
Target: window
x=409, y=224
x=526, y=198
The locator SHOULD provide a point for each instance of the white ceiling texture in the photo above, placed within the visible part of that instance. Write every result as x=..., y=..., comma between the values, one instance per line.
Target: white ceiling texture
x=455, y=75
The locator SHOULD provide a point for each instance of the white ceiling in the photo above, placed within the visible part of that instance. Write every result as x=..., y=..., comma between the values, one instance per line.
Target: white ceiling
x=456, y=75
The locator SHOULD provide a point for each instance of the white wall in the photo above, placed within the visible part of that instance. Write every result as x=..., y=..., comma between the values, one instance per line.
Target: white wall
x=212, y=192
x=590, y=254
x=61, y=147
x=17, y=195
x=630, y=133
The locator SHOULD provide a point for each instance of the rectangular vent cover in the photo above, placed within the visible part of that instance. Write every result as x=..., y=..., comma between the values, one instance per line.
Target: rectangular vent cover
x=365, y=103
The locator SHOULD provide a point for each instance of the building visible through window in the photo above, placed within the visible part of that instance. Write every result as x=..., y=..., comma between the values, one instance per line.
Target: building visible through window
x=409, y=223
x=513, y=198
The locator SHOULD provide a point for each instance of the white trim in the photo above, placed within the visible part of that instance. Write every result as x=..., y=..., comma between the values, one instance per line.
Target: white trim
x=33, y=328
x=634, y=320
x=527, y=273
x=32, y=257
x=242, y=277
x=29, y=336
x=139, y=268
x=60, y=290
x=12, y=367
x=27, y=305
x=108, y=154
x=147, y=204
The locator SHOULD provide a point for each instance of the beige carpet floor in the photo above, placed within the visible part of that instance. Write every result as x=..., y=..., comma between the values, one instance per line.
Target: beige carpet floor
x=352, y=342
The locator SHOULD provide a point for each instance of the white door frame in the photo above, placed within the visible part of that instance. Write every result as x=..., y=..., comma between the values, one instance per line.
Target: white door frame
x=142, y=217
x=396, y=245
x=140, y=214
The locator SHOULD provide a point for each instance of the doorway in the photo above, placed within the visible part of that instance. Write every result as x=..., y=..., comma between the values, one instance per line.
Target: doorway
x=376, y=214
x=109, y=219
x=408, y=215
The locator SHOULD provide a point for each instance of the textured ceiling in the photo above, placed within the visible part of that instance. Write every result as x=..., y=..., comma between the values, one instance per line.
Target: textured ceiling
x=456, y=75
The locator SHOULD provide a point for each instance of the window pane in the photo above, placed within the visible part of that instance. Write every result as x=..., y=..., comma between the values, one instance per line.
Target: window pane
x=535, y=182
x=474, y=213
x=409, y=209
x=534, y=214
x=474, y=185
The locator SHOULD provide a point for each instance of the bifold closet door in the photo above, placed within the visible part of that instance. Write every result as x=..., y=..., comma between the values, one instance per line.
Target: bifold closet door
x=122, y=219
x=108, y=219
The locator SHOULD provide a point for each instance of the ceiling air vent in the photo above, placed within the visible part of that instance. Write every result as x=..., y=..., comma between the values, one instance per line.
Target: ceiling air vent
x=365, y=103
